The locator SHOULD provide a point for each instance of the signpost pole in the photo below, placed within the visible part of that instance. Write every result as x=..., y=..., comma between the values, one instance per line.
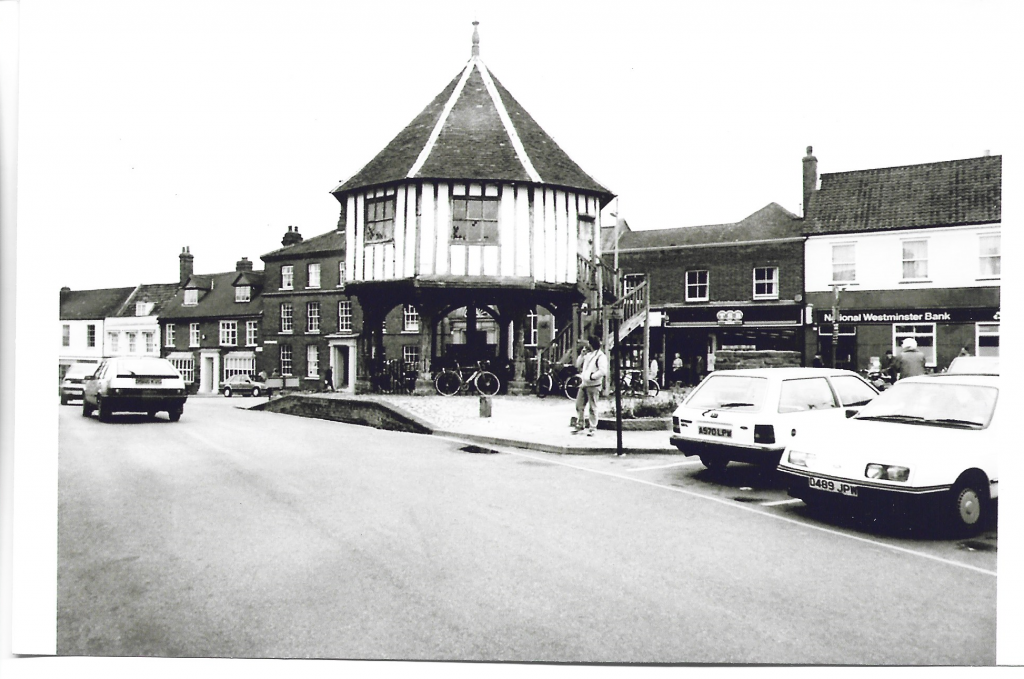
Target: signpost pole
x=835, y=321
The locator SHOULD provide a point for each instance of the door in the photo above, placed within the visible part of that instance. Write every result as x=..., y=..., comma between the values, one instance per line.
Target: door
x=206, y=375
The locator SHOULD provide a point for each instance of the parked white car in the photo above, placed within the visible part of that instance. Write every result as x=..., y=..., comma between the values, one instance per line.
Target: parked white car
x=135, y=384
x=928, y=444
x=750, y=415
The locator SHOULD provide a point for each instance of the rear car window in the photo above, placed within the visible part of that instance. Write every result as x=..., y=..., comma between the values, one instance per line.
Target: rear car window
x=853, y=391
x=811, y=393
x=736, y=392
x=139, y=367
x=80, y=371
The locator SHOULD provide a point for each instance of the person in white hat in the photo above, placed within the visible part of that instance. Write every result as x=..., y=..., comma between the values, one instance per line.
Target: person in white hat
x=910, y=362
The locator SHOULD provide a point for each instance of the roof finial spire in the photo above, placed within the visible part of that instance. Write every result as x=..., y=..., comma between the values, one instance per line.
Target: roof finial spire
x=476, y=39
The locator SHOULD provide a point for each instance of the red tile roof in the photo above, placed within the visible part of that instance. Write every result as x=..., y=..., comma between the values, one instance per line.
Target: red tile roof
x=218, y=301
x=949, y=193
x=330, y=242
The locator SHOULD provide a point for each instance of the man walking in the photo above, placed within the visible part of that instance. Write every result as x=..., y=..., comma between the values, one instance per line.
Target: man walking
x=593, y=370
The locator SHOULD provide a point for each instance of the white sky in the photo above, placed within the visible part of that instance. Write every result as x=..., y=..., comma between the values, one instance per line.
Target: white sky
x=147, y=126
x=151, y=126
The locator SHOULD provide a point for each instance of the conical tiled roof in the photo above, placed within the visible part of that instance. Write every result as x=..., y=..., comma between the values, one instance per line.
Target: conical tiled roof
x=473, y=130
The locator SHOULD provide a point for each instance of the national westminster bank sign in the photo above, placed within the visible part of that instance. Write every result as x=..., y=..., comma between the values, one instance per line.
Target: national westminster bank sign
x=947, y=315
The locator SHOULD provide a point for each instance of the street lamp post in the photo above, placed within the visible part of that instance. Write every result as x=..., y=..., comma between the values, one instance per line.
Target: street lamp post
x=836, y=289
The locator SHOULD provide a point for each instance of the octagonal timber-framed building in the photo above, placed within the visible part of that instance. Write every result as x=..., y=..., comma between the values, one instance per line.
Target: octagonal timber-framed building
x=473, y=205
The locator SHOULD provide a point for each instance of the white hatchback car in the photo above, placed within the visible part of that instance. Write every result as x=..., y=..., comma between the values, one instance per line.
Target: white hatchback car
x=925, y=447
x=135, y=384
x=750, y=415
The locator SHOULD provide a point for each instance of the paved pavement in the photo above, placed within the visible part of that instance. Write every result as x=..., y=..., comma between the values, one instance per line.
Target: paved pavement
x=528, y=422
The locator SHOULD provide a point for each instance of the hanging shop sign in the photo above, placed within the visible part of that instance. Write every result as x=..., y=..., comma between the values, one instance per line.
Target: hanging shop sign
x=889, y=316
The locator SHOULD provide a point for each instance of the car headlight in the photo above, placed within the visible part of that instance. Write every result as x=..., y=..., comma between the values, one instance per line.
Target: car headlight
x=886, y=472
x=799, y=457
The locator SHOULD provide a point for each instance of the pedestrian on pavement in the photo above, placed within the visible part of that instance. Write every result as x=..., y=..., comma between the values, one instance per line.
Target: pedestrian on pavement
x=593, y=369
x=817, y=363
x=677, y=370
x=889, y=367
x=910, y=362
x=652, y=369
x=328, y=379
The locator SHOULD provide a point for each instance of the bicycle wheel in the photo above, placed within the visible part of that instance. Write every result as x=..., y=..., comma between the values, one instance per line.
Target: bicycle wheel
x=487, y=383
x=545, y=385
x=572, y=387
x=652, y=388
x=448, y=383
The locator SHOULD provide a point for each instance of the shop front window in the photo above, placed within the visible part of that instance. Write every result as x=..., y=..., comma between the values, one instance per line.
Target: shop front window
x=924, y=333
x=987, y=339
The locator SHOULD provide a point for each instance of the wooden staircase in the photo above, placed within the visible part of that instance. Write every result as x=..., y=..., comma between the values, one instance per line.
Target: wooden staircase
x=634, y=306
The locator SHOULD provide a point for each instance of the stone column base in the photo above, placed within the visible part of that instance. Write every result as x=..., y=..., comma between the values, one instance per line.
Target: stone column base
x=424, y=387
x=518, y=387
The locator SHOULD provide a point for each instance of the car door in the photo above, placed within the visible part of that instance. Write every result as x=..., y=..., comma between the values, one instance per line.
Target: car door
x=92, y=384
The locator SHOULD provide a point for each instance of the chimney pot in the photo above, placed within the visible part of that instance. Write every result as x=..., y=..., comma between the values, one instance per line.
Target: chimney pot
x=292, y=236
x=243, y=265
x=185, y=260
x=810, y=177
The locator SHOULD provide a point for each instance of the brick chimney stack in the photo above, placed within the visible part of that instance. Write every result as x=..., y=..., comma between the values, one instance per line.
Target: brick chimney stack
x=810, y=177
x=291, y=237
x=243, y=265
x=184, y=266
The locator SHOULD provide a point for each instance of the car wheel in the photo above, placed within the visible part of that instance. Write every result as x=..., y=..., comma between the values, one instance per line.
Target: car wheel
x=714, y=462
x=175, y=414
x=63, y=400
x=104, y=410
x=968, y=506
x=151, y=414
x=86, y=408
x=255, y=391
x=227, y=391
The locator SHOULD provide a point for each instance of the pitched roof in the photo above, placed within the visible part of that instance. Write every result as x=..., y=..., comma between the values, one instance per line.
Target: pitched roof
x=217, y=302
x=932, y=194
x=474, y=130
x=332, y=241
x=82, y=305
x=157, y=293
x=770, y=222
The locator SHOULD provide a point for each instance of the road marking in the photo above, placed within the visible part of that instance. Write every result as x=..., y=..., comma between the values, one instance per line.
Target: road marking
x=790, y=501
x=664, y=466
x=759, y=512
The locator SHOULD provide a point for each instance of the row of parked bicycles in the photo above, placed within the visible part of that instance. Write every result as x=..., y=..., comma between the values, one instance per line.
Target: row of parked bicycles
x=488, y=379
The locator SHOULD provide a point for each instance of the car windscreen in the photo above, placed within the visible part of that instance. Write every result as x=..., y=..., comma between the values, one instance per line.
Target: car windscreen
x=852, y=390
x=80, y=371
x=744, y=393
x=974, y=365
x=936, y=403
x=140, y=367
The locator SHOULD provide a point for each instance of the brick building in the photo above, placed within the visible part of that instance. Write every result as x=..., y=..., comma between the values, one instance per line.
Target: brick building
x=715, y=287
x=211, y=327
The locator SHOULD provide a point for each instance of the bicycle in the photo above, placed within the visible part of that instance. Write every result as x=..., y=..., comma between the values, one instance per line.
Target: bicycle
x=391, y=377
x=450, y=382
x=631, y=384
x=559, y=378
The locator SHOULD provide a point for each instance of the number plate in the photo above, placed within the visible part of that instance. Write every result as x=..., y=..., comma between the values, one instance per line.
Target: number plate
x=833, y=486
x=707, y=430
x=148, y=380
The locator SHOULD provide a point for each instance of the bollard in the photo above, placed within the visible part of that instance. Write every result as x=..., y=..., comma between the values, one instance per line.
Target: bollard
x=485, y=406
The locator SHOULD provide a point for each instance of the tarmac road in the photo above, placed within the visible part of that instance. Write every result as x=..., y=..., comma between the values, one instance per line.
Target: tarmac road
x=254, y=534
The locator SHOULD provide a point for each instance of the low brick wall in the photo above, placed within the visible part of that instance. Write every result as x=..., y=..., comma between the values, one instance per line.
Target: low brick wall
x=734, y=360
x=367, y=412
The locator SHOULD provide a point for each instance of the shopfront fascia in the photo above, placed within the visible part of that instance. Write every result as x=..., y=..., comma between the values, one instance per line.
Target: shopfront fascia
x=697, y=332
x=941, y=332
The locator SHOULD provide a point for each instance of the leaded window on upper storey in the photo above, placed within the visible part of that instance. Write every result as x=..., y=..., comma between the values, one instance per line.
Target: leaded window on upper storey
x=380, y=220
x=475, y=220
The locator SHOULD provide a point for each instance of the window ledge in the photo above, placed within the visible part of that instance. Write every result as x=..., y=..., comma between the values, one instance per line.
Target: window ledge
x=988, y=278
x=410, y=332
x=312, y=287
x=286, y=332
x=312, y=332
x=764, y=298
x=915, y=280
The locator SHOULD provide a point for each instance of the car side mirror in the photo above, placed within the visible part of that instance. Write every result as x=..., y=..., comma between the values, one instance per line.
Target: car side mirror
x=850, y=412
